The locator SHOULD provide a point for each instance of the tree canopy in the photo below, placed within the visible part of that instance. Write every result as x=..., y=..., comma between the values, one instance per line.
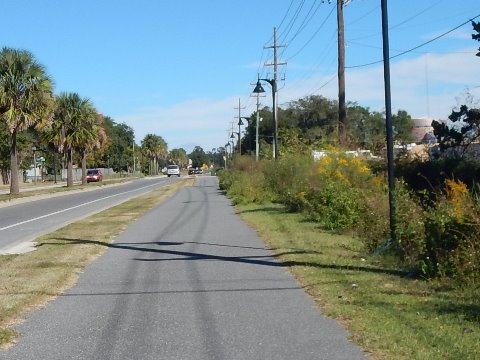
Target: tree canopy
x=312, y=123
x=476, y=28
x=119, y=147
x=26, y=99
x=463, y=130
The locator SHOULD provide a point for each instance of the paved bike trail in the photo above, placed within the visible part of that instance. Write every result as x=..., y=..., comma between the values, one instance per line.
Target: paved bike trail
x=188, y=280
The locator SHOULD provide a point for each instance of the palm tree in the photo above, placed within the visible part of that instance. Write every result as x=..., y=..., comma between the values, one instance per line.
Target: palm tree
x=92, y=137
x=78, y=121
x=161, y=151
x=26, y=100
x=148, y=147
x=155, y=148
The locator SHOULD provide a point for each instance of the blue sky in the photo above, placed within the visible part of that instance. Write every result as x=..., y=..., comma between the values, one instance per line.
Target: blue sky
x=178, y=68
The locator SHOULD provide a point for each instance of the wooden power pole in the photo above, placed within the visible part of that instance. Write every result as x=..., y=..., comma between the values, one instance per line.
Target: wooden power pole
x=342, y=109
x=273, y=82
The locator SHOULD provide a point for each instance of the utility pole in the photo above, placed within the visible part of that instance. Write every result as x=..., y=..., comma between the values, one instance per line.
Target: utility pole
x=388, y=121
x=232, y=137
x=273, y=83
x=240, y=122
x=342, y=110
x=133, y=152
x=257, y=145
x=228, y=143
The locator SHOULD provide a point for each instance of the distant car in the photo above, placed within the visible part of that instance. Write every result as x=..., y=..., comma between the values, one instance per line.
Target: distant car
x=173, y=170
x=94, y=175
x=193, y=171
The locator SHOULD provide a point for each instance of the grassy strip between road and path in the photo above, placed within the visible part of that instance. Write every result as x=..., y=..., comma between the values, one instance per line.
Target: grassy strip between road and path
x=389, y=314
x=48, y=189
x=32, y=279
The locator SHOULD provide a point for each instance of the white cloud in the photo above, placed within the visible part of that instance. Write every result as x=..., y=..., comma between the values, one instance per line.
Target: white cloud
x=455, y=35
x=424, y=86
x=201, y=122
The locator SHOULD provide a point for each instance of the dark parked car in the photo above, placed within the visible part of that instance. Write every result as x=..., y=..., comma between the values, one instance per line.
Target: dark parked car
x=94, y=175
x=193, y=171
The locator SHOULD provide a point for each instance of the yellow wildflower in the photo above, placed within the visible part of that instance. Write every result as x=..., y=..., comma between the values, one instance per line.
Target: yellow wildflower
x=363, y=169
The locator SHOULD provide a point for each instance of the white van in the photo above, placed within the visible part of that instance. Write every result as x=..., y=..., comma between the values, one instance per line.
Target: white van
x=173, y=170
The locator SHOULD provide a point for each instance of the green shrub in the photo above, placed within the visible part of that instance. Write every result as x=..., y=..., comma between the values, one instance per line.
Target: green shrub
x=410, y=226
x=440, y=238
x=225, y=180
x=431, y=175
x=453, y=235
x=288, y=177
x=244, y=182
x=248, y=188
x=335, y=205
x=374, y=225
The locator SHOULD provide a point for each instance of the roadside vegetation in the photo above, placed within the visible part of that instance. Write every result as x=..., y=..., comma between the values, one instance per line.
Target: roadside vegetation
x=51, y=189
x=32, y=279
x=47, y=131
x=328, y=220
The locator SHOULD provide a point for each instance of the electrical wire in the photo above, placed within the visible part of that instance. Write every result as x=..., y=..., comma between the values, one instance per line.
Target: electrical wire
x=324, y=84
x=283, y=35
x=415, y=16
x=416, y=47
x=400, y=23
x=364, y=15
x=284, y=17
x=415, y=52
x=313, y=36
x=305, y=21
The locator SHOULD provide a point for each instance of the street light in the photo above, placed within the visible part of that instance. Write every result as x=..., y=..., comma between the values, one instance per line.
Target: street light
x=259, y=89
x=34, y=149
x=245, y=132
x=226, y=154
x=233, y=137
x=240, y=123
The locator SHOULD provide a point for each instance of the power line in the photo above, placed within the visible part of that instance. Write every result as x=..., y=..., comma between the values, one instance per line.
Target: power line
x=325, y=83
x=291, y=22
x=416, y=47
x=416, y=15
x=364, y=15
x=416, y=52
x=284, y=17
x=313, y=36
x=305, y=21
x=398, y=24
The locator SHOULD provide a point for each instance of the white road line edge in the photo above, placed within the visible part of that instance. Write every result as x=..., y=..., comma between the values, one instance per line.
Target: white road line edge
x=73, y=207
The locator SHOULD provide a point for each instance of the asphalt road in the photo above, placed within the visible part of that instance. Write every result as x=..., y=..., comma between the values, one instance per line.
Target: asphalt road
x=23, y=222
x=189, y=280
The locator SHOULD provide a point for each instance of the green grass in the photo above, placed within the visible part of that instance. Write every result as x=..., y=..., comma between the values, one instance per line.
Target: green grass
x=32, y=279
x=391, y=315
x=53, y=189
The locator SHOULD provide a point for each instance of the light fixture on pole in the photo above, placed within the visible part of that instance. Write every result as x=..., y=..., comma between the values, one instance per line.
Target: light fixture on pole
x=226, y=154
x=233, y=137
x=249, y=144
x=34, y=149
x=240, y=123
x=232, y=144
x=259, y=89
